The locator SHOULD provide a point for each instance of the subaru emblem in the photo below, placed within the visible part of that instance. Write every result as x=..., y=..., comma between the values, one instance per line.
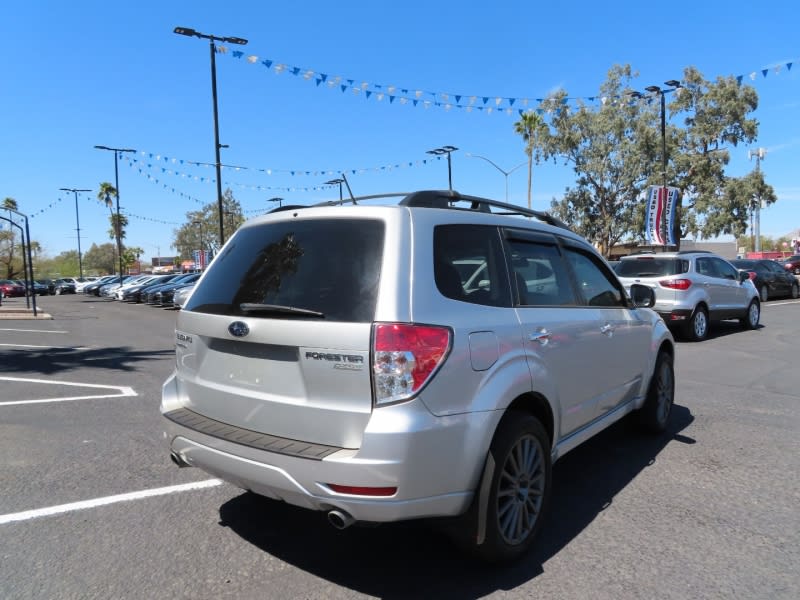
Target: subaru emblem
x=238, y=329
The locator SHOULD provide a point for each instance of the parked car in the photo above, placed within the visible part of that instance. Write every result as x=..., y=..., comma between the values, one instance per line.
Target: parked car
x=93, y=288
x=154, y=294
x=792, y=264
x=65, y=285
x=181, y=294
x=48, y=283
x=38, y=288
x=337, y=358
x=82, y=282
x=770, y=278
x=693, y=288
x=11, y=289
x=135, y=293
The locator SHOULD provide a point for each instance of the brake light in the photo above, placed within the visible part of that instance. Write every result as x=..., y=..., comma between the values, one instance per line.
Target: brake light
x=676, y=284
x=751, y=275
x=404, y=357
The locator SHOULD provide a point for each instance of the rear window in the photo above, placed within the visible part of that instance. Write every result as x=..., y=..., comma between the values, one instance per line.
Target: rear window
x=648, y=266
x=330, y=267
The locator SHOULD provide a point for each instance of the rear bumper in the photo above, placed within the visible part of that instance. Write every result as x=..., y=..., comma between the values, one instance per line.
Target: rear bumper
x=675, y=316
x=429, y=459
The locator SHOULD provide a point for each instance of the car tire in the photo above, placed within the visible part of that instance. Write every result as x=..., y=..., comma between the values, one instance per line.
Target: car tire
x=753, y=316
x=696, y=328
x=795, y=292
x=518, y=491
x=763, y=293
x=654, y=413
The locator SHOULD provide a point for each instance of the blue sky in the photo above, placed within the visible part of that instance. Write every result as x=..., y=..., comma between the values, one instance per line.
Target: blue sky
x=81, y=74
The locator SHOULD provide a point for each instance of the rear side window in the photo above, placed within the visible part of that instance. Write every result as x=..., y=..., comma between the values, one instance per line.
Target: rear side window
x=468, y=264
x=648, y=266
x=330, y=267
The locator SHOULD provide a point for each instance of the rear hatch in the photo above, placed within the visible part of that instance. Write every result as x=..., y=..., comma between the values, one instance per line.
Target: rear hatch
x=662, y=274
x=276, y=336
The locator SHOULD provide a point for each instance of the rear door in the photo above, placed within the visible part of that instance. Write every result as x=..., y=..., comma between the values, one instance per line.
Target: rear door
x=276, y=337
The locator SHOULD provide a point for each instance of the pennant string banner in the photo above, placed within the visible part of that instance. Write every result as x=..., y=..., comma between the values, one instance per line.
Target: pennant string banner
x=489, y=104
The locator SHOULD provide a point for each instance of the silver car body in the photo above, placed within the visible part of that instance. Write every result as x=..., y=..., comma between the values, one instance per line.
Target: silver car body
x=289, y=410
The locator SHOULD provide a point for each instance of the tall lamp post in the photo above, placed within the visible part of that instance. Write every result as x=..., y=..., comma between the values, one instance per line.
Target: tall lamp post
x=755, y=231
x=504, y=172
x=654, y=89
x=30, y=259
x=117, y=152
x=211, y=39
x=77, y=225
x=439, y=152
x=339, y=181
x=276, y=199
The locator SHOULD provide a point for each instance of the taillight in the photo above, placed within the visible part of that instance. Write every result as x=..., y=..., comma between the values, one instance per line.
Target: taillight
x=404, y=357
x=676, y=284
x=751, y=275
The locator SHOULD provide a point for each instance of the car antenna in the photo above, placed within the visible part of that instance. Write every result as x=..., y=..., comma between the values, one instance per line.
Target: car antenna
x=349, y=191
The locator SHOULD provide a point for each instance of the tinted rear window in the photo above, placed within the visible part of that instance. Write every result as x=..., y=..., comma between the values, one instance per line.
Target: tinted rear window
x=651, y=267
x=330, y=266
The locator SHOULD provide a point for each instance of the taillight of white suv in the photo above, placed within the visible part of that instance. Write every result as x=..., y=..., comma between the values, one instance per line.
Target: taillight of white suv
x=404, y=358
x=676, y=284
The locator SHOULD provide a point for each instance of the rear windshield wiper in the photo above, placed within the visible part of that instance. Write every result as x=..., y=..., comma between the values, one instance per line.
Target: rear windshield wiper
x=278, y=308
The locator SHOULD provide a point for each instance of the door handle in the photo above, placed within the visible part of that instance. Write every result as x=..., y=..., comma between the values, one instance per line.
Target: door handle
x=542, y=336
x=608, y=329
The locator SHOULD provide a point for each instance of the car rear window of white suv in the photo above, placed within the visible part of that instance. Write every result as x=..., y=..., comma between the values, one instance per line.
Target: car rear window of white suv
x=649, y=266
x=325, y=269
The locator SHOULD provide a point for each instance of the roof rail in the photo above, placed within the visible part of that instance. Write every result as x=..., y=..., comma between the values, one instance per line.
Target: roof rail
x=446, y=199
x=694, y=252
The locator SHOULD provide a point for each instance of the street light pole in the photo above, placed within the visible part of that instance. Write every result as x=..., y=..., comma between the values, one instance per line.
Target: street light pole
x=755, y=231
x=77, y=226
x=448, y=150
x=30, y=258
x=504, y=172
x=278, y=200
x=211, y=39
x=118, y=224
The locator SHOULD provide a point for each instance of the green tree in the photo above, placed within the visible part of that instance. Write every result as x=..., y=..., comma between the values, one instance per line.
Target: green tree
x=108, y=195
x=202, y=226
x=612, y=150
x=531, y=126
x=130, y=256
x=8, y=243
x=715, y=118
x=101, y=259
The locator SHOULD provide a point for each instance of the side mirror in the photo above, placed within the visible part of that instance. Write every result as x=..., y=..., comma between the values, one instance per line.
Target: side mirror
x=642, y=296
x=743, y=276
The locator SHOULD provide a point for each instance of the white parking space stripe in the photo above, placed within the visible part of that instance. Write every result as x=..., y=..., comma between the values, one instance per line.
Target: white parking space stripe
x=47, y=347
x=118, y=391
x=84, y=504
x=34, y=330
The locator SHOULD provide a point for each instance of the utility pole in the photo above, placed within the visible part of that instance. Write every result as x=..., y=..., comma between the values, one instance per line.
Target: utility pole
x=755, y=203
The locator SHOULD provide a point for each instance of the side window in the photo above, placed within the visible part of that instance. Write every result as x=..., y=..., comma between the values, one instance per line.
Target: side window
x=539, y=276
x=594, y=284
x=468, y=264
x=724, y=270
x=704, y=267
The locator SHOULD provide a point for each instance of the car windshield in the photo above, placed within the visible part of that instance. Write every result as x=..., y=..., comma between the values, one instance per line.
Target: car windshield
x=650, y=266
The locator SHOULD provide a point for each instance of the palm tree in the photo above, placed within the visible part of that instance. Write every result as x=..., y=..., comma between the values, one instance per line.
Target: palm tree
x=530, y=126
x=108, y=194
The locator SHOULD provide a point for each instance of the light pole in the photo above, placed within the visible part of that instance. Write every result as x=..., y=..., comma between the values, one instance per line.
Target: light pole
x=30, y=259
x=755, y=231
x=504, y=172
x=77, y=225
x=338, y=181
x=654, y=89
x=211, y=39
x=276, y=199
x=118, y=224
x=445, y=150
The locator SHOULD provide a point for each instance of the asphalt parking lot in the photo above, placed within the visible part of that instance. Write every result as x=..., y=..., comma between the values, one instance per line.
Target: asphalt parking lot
x=92, y=507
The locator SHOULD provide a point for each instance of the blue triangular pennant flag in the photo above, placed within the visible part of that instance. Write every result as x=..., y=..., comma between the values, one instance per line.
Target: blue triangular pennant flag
x=318, y=80
x=344, y=87
x=458, y=99
x=485, y=99
x=323, y=76
x=295, y=70
x=391, y=99
x=739, y=79
x=266, y=63
x=351, y=81
x=237, y=54
x=415, y=101
x=368, y=93
x=511, y=101
x=788, y=66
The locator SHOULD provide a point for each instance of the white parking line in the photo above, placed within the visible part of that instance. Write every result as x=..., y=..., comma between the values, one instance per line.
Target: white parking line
x=84, y=504
x=34, y=330
x=122, y=391
x=47, y=347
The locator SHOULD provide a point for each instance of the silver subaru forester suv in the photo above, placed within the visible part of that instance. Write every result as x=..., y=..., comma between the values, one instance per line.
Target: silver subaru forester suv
x=426, y=359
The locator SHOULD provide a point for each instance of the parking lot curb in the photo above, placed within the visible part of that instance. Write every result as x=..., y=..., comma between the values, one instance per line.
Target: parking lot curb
x=22, y=314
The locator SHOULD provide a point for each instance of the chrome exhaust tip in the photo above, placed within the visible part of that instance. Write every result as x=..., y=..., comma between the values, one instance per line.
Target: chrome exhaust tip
x=340, y=520
x=178, y=460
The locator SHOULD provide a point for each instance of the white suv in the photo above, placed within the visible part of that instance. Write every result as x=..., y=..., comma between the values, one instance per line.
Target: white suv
x=382, y=363
x=693, y=288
